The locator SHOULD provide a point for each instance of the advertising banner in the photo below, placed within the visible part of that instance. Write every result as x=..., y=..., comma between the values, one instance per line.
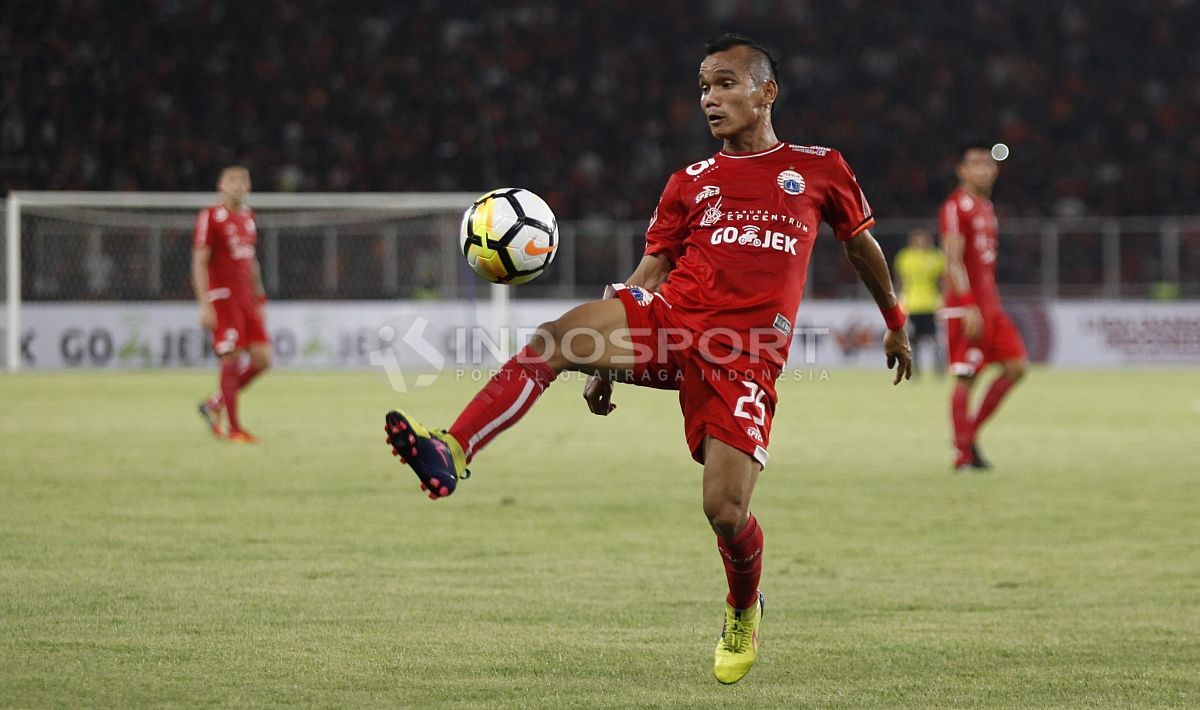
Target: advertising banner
x=444, y=335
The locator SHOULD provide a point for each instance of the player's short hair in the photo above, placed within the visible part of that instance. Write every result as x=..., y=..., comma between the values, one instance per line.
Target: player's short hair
x=973, y=144
x=235, y=166
x=763, y=66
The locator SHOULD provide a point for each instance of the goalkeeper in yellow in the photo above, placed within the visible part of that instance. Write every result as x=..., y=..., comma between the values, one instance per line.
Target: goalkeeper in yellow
x=919, y=267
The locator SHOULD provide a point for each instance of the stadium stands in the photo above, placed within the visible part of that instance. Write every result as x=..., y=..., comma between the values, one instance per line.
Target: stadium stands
x=591, y=104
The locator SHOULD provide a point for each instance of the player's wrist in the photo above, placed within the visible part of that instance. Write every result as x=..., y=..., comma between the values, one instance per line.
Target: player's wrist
x=894, y=317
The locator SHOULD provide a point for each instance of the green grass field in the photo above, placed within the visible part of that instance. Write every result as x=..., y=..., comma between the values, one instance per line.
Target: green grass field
x=144, y=564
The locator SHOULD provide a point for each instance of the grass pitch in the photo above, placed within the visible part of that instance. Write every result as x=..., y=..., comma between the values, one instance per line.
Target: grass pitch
x=144, y=564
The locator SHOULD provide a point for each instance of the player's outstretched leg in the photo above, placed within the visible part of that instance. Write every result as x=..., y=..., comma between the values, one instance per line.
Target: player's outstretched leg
x=439, y=458
x=512, y=391
x=434, y=456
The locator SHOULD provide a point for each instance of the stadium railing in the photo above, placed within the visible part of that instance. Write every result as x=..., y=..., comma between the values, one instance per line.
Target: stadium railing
x=80, y=250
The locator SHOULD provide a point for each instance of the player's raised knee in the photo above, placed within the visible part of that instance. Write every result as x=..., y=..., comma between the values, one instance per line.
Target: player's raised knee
x=545, y=341
x=1015, y=369
x=261, y=359
x=567, y=346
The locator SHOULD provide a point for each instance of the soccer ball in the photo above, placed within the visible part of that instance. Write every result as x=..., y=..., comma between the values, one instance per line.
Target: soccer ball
x=509, y=236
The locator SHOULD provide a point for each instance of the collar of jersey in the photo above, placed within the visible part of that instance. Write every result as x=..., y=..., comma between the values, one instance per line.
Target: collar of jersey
x=964, y=191
x=739, y=156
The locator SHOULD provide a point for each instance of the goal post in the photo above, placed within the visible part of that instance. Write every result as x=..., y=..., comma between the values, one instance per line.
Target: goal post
x=134, y=247
x=12, y=282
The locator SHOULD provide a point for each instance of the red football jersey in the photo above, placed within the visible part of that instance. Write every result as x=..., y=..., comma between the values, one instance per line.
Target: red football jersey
x=739, y=230
x=231, y=238
x=974, y=218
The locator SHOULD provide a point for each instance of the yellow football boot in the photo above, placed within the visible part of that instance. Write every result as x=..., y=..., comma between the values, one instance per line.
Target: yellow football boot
x=737, y=649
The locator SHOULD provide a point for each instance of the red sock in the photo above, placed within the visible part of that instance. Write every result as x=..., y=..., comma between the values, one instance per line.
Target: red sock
x=247, y=375
x=742, y=556
x=230, y=376
x=502, y=401
x=964, y=433
x=992, y=399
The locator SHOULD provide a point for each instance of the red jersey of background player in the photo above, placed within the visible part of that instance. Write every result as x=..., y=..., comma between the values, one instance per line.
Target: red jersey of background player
x=975, y=219
x=739, y=231
x=231, y=237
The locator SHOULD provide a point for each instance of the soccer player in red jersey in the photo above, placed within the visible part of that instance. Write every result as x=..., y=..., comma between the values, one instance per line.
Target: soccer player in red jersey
x=229, y=289
x=979, y=332
x=708, y=312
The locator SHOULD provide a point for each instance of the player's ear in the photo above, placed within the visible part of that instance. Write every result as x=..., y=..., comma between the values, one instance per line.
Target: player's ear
x=770, y=92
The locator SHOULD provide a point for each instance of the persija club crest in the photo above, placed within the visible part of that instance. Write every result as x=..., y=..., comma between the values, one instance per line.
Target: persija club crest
x=791, y=182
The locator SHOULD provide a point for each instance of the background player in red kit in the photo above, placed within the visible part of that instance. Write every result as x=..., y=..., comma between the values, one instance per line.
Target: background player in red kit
x=708, y=312
x=979, y=332
x=229, y=289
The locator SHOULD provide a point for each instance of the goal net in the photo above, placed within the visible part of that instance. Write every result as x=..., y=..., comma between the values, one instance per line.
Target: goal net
x=95, y=279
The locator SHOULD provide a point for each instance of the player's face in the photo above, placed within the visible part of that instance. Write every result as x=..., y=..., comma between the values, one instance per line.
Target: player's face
x=978, y=170
x=729, y=97
x=234, y=183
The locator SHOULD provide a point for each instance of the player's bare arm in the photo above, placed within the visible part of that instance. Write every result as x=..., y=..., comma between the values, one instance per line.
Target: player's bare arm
x=960, y=283
x=208, y=315
x=868, y=260
x=649, y=274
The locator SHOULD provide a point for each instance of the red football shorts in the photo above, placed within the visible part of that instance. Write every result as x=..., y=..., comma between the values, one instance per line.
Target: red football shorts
x=723, y=393
x=999, y=341
x=239, y=325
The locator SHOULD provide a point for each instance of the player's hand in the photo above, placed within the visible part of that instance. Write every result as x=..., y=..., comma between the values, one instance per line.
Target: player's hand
x=208, y=316
x=899, y=354
x=972, y=323
x=597, y=392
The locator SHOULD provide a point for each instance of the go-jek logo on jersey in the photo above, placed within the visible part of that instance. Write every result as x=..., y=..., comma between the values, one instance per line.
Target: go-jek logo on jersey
x=753, y=235
x=238, y=250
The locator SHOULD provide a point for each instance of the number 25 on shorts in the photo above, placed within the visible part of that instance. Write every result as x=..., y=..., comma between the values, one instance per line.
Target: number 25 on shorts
x=752, y=398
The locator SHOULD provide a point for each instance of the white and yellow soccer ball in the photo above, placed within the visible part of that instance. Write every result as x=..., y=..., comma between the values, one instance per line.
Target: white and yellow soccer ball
x=509, y=236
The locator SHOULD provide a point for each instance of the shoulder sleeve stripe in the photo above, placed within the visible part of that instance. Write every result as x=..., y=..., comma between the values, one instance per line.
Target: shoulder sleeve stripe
x=866, y=224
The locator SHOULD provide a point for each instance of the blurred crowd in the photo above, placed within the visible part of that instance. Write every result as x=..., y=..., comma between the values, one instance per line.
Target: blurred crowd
x=593, y=103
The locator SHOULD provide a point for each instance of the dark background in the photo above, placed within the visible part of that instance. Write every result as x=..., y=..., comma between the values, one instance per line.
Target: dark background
x=593, y=104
